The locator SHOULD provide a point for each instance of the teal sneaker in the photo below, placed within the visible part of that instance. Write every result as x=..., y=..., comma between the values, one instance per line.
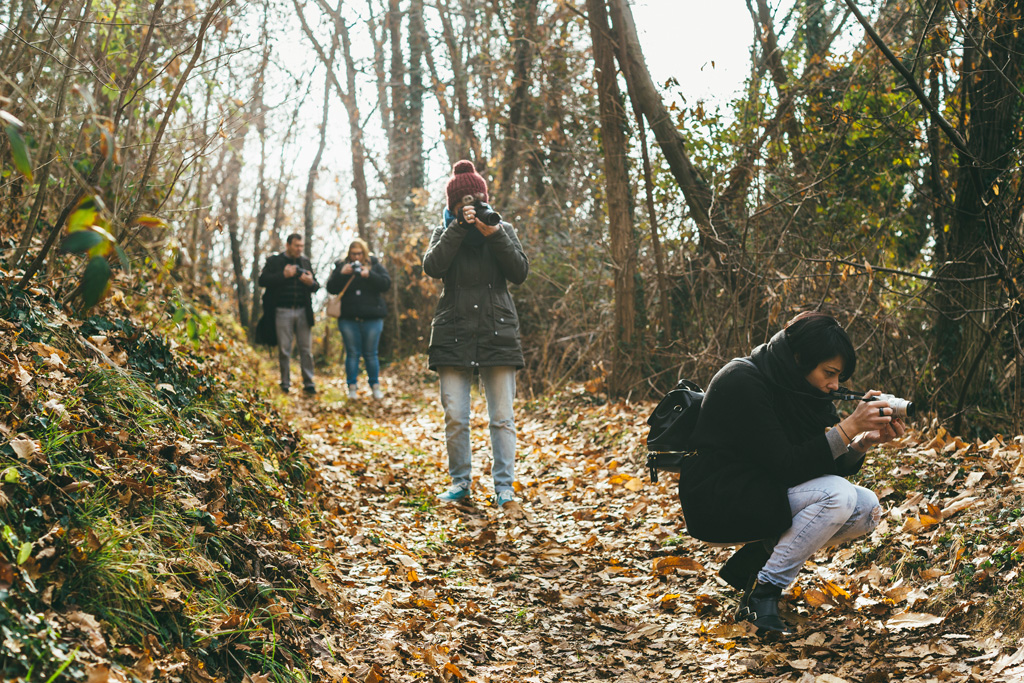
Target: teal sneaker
x=506, y=496
x=454, y=494
x=506, y=500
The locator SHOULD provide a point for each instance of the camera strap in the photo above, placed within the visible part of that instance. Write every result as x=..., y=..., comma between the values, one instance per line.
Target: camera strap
x=343, y=289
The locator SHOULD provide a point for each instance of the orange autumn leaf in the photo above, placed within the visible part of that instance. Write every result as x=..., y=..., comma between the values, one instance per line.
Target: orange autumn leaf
x=815, y=598
x=663, y=565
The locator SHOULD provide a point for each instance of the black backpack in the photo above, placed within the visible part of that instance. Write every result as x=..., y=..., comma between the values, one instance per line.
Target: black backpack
x=672, y=424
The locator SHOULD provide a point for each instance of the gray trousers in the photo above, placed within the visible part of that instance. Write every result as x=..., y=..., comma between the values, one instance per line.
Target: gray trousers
x=293, y=329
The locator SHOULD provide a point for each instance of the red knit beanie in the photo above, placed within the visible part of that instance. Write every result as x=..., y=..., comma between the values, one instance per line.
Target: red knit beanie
x=465, y=180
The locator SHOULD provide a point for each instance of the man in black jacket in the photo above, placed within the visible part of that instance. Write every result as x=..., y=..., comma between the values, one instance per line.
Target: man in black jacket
x=290, y=282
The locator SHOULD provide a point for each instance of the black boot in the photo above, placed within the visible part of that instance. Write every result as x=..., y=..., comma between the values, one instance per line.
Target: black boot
x=744, y=565
x=760, y=605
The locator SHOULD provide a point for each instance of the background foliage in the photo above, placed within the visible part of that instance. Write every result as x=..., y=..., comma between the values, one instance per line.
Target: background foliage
x=185, y=140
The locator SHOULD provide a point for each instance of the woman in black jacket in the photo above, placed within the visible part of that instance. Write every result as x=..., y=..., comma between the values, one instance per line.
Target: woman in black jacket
x=363, y=279
x=771, y=459
x=475, y=330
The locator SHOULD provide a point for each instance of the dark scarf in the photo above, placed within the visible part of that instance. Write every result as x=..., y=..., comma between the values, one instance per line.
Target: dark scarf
x=803, y=410
x=473, y=237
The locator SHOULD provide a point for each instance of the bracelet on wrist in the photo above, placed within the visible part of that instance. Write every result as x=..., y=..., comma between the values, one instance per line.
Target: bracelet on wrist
x=840, y=425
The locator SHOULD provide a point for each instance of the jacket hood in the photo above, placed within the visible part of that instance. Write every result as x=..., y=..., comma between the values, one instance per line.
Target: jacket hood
x=776, y=360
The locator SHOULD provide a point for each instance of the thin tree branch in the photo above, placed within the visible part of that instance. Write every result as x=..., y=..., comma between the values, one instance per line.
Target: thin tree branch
x=953, y=136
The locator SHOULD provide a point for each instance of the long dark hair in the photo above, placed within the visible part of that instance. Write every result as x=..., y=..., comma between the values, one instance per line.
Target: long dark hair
x=814, y=337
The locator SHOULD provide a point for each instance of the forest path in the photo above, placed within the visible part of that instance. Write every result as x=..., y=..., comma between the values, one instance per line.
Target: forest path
x=585, y=588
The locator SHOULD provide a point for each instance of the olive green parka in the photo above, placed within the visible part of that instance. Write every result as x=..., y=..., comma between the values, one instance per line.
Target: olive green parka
x=475, y=324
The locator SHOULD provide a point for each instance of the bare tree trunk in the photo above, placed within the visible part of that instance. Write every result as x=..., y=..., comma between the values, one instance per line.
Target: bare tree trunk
x=974, y=242
x=696, y=191
x=522, y=63
x=276, y=243
x=260, y=112
x=355, y=130
x=445, y=108
x=398, y=150
x=620, y=228
x=466, y=143
x=314, y=167
x=349, y=98
x=201, y=244
x=786, y=111
x=378, y=38
x=229, y=198
x=418, y=43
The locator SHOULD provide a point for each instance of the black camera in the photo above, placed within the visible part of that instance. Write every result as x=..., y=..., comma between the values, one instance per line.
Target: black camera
x=485, y=212
x=357, y=268
x=300, y=271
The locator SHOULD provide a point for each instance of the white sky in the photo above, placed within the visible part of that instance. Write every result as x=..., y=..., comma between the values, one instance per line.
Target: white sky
x=703, y=45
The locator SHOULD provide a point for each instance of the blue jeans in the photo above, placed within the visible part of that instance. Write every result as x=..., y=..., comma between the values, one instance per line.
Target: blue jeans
x=499, y=389
x=827, y=511
x=361, y=338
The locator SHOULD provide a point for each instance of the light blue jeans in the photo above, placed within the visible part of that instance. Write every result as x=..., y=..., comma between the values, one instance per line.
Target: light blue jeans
x=827, y=511
x=361, y=338
x=499, y=385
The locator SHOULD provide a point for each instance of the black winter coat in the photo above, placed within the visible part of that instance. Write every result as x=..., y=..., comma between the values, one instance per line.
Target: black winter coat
x=362, y=299
x=475, y=324
x=760, y=431
x=280, y=287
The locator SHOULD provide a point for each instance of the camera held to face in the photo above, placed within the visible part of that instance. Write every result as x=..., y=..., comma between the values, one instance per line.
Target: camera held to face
x=484, y=211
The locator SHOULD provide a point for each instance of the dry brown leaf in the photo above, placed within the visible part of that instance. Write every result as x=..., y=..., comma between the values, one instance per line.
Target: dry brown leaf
x=663, y=565
x=829, y=678
x=27, y=449
x=454, y=671
x=91, y=627
x=99, y=674
x=912, y=620
x=803, y=664
x=815, y=598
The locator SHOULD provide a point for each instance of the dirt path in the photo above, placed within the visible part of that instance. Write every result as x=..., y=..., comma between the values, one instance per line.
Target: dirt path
x=585, y=588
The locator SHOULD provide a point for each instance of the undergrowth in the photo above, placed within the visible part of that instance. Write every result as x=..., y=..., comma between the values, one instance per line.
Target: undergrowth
x=153, y=509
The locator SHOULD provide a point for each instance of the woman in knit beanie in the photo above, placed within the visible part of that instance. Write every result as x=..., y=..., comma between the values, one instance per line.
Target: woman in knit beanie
x=475, y=331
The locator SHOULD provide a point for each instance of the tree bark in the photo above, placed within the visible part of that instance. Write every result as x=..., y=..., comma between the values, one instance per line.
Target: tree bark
x=418, y=43
x=355, y=130
x=229, y=199
x=974, y=243
x=786, y=110
x=398, y=151
x=466, y=142
x=314, y=167
x=620, y=228
x=522, y=63
x=696, y=191
x=260, y=114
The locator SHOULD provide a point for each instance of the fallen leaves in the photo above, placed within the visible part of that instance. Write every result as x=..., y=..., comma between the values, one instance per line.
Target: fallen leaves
x=664, y=565
x=27, y=449
x=912, y=620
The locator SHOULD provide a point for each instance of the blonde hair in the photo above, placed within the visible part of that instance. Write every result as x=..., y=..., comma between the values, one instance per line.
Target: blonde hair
x=360, y=242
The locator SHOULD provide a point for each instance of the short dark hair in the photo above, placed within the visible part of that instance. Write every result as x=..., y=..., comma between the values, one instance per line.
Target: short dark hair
x=814, y=337
x=292, y=237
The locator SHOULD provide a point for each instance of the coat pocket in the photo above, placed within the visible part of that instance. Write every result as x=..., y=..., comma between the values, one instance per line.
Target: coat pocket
x=443, y=330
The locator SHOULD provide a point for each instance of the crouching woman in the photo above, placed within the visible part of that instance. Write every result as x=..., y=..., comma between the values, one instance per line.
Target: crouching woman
x=771, y=459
